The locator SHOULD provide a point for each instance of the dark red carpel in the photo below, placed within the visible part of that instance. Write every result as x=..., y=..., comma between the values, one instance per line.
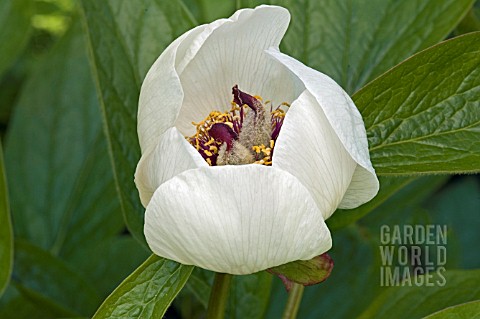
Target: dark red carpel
x=223, y=133
x=242, y=98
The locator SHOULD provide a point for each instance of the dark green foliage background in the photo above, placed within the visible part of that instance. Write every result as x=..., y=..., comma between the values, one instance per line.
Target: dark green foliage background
x=70, y=76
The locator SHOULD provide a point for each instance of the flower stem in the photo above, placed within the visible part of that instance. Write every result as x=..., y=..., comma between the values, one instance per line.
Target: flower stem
x=219, y=296
x=293, y=302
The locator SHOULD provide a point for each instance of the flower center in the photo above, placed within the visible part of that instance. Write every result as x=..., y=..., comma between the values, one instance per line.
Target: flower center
x=243, y=135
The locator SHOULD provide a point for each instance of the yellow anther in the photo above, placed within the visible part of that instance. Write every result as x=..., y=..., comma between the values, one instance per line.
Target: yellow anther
x=207, y=152
x=272, y=143
x=258, y=97
x=209, y=161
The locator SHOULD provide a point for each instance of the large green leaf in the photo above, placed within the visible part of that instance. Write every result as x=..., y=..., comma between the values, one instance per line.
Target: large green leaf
x=15, y=28
x=6, y=234
x=36, y=275
x=468, y=310
x=354, y=41
x=423, y=115
x=108, y=262
x=417, y=301
x=62, y=193
x=125, y=37
x=147, y=292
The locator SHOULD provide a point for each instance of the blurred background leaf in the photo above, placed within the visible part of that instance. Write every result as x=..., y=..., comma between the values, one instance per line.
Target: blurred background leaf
x=418, y=301
x=468, y=310
x=457, y=205
x=355, y=41
x=249, y=296
x=15, y=29
x=388, y=187
x=56, y=150
x=6, y=233
x=65, y=207
x=39, y=275
x=206, y=11
x=125, y=38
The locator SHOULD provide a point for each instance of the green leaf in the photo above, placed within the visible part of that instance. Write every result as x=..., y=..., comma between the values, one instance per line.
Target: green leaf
x=401, y=208
x=355, y=41
x=63, y=193
x=109, y=261
x=15, y=305
x=125, y=37
x=422, y=116
x=15, y=28
x=417, y=301
x=200, y=285
x=147, y=292
x=206, y=11
x=36, y=274
x=388, y=187
x=469, y=310
x=249, y=296
x=305, y=272
x=457, y=206
x=470, y=23
x=6, y=233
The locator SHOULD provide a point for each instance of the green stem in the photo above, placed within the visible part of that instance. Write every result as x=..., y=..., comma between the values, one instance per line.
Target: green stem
x=219, y=296
x=293, y=302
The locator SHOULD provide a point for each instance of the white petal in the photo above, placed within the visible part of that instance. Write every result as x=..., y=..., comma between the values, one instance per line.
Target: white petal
x=235, y=219
x=234, y=53
x=347, y=123
x=171, y=156
x=161, y=96
x=309, y=148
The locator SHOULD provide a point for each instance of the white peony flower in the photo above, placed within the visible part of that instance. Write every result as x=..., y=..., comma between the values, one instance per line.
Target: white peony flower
x=244, y=218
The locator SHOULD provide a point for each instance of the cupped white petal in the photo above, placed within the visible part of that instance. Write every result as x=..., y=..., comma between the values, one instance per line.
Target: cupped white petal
x=235, y=219
x=161, y=95
x=346, y=122
x=234, y=53
x=171, y=156
x=309, y=149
